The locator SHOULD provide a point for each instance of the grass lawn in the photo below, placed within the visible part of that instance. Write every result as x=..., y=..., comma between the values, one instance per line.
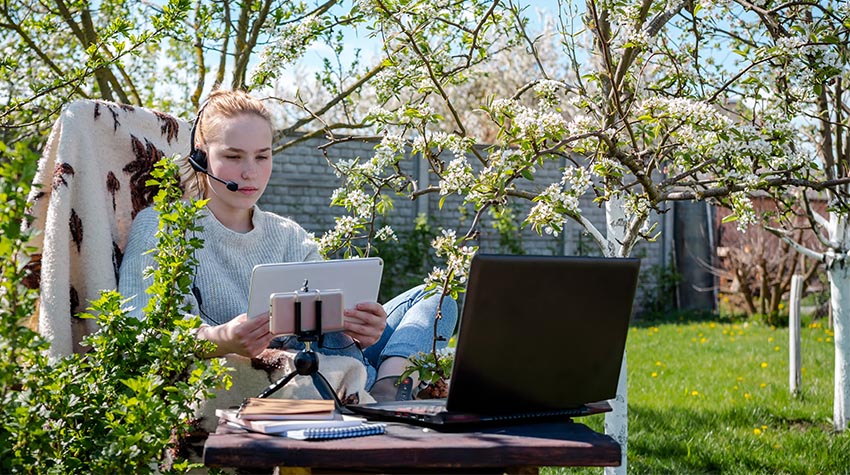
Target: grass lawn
x=713, y=398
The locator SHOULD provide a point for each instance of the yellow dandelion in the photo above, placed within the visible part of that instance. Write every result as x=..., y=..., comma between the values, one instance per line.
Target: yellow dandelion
x=757, y=431
x=746, y=395
x=711, y=325
x=776, y=348
x=654, y=374
x=740, y=378
x=828, y=339
x=764, y=364
x=702, y=340
x=820, y=340
x=763, y=385
x=763, y=427
x=770, y=340
x=694, y=393
x=735, y=387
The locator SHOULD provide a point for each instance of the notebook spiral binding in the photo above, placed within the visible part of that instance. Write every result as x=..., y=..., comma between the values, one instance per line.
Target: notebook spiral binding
x=322, y=433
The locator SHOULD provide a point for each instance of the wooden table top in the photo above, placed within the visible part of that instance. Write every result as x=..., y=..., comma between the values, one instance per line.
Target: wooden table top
x=412, y=447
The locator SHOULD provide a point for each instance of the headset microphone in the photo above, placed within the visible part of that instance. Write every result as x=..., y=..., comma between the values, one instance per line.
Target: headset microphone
x=197, y=166
x=198, y=158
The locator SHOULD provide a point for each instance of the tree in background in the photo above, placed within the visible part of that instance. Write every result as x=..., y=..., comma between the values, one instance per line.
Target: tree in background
x=755, y=267
x=807, y=79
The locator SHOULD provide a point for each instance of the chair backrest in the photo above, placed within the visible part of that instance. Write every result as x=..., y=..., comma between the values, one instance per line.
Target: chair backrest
x=90, y=185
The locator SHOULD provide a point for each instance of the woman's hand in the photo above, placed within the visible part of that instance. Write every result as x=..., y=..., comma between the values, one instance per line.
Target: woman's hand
x=365, y=323
x=243, y=336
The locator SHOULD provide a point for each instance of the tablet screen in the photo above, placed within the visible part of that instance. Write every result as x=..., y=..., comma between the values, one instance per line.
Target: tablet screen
x=359, y=280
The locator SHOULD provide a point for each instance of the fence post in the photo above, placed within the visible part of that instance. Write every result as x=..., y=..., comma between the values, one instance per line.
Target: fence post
x=794, y=376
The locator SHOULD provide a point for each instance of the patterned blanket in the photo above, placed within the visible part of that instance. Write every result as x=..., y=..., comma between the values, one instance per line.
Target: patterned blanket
x=91, y=184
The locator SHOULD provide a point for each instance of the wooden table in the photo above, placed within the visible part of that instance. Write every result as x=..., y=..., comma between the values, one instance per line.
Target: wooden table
x=410, y=449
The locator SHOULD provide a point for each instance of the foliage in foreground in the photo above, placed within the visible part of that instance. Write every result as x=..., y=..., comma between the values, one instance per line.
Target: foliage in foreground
x=708, y=397
x=119, y=406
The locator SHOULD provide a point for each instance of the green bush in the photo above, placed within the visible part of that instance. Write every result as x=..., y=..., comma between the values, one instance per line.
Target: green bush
x=117, y=408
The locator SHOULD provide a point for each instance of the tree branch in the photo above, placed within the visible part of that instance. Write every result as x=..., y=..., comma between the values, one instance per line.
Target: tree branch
x=783, y=235
x=240, y=70
x=198, y=47
x=721, y=191
x=330, y=104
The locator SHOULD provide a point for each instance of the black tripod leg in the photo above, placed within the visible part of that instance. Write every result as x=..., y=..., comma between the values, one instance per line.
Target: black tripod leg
x=325, y=390
x=274, y=387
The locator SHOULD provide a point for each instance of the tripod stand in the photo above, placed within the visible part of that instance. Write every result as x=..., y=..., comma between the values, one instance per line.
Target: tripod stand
x=307, y=361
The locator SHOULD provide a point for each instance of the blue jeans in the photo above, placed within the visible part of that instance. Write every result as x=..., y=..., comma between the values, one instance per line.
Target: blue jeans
x=410, y=330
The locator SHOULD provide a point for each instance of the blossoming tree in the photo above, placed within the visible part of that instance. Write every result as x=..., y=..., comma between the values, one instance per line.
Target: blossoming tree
x=653, y=102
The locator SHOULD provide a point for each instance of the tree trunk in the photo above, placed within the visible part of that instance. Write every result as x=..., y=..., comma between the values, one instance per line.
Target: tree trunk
x=617, y=421
x=839, y=284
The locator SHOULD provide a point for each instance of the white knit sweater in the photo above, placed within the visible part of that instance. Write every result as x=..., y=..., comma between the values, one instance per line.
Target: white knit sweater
x=225, y=262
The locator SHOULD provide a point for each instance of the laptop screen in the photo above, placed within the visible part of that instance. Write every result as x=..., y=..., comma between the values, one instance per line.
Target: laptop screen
x=541, y=333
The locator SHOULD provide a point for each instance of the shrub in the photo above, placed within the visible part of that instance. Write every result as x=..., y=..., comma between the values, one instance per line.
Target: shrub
x=117, y=408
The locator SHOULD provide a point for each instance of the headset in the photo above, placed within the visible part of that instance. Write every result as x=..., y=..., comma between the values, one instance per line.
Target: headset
x=198, y=158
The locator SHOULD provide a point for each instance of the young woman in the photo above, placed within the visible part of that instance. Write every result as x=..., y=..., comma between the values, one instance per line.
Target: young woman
x=233, y=142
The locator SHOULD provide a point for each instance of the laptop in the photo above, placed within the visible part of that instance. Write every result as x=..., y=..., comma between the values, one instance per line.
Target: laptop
x=359, y=280
x=540, y=338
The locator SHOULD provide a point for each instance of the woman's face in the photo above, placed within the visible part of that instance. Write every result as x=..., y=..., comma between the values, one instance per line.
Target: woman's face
x=239, y=149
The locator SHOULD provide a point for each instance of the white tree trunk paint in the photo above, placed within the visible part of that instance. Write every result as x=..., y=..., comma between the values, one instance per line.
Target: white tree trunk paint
x=839, y=284
x=794, y=374
x=838, y=271
x=617, y=421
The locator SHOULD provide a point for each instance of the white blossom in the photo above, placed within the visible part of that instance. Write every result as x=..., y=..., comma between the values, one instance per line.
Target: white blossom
x=446, y=240
x=290, y=43
x=386, y=233
x=457, y=177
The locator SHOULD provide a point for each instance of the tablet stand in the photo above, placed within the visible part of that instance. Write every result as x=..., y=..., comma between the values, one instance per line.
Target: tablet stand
x=307, y=361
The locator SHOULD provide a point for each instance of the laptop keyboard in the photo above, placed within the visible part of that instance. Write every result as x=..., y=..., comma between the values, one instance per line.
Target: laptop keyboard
x=420, y=409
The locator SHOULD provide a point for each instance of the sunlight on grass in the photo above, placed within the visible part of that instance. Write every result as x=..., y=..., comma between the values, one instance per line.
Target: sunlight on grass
x=709, y=397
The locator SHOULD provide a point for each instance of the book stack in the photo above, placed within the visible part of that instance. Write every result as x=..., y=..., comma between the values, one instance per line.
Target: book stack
x=305, y=419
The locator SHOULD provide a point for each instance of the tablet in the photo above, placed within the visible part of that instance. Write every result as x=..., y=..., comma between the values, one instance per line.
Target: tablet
x=359, y=280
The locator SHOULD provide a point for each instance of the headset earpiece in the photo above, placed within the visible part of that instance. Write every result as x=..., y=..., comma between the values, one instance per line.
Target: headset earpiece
x=198, y=160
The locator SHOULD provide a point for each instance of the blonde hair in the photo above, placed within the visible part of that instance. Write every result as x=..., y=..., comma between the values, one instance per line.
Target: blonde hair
x=220, y=105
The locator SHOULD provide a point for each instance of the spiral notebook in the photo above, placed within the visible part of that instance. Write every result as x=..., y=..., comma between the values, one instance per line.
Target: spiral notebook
x=541, y=337
x=323, y=433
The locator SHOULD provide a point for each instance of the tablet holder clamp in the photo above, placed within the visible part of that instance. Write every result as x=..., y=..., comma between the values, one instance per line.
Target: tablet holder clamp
x=307, y=361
